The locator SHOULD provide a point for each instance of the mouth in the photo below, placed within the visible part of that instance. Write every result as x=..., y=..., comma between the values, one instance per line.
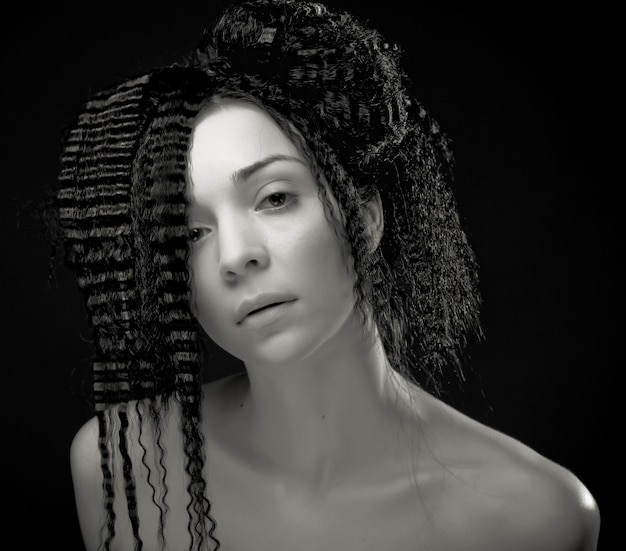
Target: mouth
x=260, y=304
x=264, y=308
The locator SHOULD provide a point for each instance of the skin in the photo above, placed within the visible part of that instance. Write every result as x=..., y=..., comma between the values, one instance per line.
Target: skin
x=320, y=445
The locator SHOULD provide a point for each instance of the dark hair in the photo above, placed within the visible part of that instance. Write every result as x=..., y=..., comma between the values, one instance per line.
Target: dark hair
x=340, y=84
x=336, y=88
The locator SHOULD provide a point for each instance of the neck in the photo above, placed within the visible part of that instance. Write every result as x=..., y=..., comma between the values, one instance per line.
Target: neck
x=330, y=416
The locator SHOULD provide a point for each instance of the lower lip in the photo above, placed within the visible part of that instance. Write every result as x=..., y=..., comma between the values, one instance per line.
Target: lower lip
x=266, y=316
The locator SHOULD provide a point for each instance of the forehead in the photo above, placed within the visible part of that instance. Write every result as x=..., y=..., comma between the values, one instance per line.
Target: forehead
x=232, y=135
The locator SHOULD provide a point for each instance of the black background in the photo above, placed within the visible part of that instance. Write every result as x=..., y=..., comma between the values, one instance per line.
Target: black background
x=525, y=92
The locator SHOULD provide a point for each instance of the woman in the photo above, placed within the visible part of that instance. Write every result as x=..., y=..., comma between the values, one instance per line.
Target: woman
x=281, y=192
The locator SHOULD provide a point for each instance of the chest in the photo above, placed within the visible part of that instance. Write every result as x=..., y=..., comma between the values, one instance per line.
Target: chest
x=404, y=512
x=264, y=513
x=413, y=509
x=270, y=516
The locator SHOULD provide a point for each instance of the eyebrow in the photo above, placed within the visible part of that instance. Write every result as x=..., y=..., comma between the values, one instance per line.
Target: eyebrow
x=242, y=174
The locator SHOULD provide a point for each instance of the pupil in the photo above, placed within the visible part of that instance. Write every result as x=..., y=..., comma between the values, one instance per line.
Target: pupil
x=277, y=199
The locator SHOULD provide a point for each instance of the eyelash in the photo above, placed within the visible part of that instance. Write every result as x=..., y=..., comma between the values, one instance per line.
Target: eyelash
x=288, y=200
x=194, y=233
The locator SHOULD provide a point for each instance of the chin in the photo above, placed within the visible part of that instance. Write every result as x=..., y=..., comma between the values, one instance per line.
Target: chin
x=274, y=350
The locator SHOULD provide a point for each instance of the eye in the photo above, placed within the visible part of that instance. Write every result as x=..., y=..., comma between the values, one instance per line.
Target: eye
x=276, y=201
x=195, y=234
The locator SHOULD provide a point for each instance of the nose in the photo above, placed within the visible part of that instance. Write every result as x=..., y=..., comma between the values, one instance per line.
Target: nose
x=242, y=249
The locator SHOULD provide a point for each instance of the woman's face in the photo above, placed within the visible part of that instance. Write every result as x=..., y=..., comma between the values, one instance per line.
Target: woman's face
x=269, y=278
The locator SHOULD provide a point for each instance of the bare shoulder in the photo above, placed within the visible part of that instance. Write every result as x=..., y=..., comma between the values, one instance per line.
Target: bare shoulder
x=84, y=453
x=522, y=500
x=87, y=472
x=85, y=458
x=87, y=480
x=84, y=450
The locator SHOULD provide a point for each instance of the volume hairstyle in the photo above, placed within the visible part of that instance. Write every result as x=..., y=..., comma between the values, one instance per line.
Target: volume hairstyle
x=336, y=87
x=340, y=83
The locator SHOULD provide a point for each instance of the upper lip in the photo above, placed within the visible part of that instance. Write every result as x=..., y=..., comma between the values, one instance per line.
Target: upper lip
x=261, y=300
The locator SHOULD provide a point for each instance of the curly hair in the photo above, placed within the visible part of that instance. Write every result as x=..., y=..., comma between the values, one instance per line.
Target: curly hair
x=340, y=83
x=336, y=88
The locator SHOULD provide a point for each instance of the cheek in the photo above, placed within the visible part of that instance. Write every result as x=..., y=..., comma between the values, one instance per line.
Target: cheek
x=203, y=284
x=324, y=255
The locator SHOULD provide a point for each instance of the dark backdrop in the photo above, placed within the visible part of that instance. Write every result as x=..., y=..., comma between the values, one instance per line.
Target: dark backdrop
x=525, y=94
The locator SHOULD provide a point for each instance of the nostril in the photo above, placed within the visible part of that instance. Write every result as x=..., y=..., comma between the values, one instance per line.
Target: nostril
x=237, y=264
